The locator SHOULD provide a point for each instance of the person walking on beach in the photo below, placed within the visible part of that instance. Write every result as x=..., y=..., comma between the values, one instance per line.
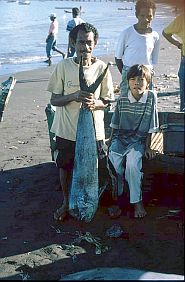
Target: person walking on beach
x=133, y=122
x=177, y=28
x=70, y=25
x=67, y=97
x=138, y=44
x=51, y=39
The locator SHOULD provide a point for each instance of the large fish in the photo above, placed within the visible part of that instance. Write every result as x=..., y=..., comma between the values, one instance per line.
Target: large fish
x=84, y=191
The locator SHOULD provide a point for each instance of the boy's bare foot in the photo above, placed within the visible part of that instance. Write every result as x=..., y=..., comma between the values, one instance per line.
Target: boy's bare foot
x=61, y=213
x=139, y=210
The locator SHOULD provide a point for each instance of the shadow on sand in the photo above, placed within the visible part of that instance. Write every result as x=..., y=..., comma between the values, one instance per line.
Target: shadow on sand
x=30, y=243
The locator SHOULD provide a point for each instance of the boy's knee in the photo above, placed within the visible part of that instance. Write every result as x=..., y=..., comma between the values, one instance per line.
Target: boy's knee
x=131, y=164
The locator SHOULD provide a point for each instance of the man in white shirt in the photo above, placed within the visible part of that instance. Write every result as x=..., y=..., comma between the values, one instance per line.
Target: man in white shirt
x=51, y=38
x=138, y=44
x=70, y=25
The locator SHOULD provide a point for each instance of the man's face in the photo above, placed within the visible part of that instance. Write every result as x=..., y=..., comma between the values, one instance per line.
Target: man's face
x=84, y=44
x=145, y=17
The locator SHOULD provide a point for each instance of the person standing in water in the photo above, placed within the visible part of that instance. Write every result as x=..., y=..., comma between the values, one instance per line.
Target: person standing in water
x=51, y=39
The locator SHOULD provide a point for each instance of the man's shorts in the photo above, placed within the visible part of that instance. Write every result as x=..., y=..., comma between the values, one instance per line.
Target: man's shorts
x=66, y=153
x=65, y=160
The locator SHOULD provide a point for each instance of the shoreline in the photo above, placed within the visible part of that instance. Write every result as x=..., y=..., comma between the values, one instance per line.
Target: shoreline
x=165, y=79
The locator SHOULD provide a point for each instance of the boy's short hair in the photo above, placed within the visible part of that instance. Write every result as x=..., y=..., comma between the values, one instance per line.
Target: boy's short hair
x=139, y=70
x=87, y=27
x=144, y=4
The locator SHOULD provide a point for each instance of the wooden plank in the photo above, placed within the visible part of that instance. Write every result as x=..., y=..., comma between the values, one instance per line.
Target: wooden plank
x=164, y=164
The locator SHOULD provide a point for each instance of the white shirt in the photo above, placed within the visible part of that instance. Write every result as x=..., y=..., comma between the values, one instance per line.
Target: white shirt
x=135, y=48
x=65, y=80
x=53, y=27
x=143, y=100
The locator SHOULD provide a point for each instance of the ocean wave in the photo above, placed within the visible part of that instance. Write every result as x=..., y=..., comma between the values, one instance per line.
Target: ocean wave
x=22, y=60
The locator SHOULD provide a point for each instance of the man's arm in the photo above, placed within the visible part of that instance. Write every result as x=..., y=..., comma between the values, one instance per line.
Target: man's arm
x=84, y=97
x=172, y=39
x=60, y=100
x=119, y=64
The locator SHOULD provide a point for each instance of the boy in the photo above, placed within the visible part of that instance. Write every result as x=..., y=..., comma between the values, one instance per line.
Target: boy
x=66, y=96
x=134, y=120
x=138, y=44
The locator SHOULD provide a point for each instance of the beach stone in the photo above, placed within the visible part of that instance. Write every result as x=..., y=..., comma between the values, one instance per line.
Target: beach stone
x=118, y=273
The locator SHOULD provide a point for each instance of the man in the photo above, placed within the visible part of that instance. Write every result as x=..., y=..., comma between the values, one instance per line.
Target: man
x=51, y=38
x=70, y=25
x=68, y=98
x=177, y=27
x=138, y=44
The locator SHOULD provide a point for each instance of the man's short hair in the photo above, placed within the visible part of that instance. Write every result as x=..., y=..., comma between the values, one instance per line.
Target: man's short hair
x=144, y=4
x=86, y=27
x=75, y=11
x=139, y=70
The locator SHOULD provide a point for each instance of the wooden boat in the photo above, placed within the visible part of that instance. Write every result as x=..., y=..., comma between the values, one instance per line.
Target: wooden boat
x=118, y=273
x=125, y=9
x=5, y=93
x=64, y=8
x=66, y=11
x=24, y=2
x=169, y=142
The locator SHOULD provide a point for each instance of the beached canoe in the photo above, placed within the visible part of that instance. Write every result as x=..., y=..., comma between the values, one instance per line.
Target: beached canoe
x=24, y=2
x=118, y=273
x=66, y=11
x=64, y=8
x=125, y=9
x=5, y=93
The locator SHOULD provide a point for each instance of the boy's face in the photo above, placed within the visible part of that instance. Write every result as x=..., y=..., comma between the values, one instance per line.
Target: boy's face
x=145, y=16
x=84, y=44
x=138, y=85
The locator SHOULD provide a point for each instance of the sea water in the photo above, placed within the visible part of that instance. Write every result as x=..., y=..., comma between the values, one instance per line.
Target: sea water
x=24, y=28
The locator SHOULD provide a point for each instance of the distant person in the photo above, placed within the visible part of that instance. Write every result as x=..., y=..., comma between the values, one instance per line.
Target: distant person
x=138, y=44
x=177, y=27
x=133, y=122
x=51, y=39
x=70, y=25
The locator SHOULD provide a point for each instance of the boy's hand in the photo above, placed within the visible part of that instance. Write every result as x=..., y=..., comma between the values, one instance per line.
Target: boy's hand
x=108, y=142
x=150, y=154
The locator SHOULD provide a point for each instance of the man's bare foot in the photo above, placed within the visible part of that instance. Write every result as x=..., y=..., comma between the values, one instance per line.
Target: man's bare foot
x=61, y=213
x=139, y=210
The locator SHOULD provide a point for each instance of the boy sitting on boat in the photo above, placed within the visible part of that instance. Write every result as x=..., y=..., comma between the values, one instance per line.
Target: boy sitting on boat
x=133, y=122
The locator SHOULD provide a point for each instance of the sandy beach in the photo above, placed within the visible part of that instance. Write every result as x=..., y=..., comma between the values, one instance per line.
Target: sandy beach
x=35, y=247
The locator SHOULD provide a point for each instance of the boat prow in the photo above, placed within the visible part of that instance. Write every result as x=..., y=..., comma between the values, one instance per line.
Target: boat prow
x=24, y=2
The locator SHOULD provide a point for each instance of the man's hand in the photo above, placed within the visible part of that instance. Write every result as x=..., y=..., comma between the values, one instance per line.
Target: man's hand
x=150, y=154
x=86, y=98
